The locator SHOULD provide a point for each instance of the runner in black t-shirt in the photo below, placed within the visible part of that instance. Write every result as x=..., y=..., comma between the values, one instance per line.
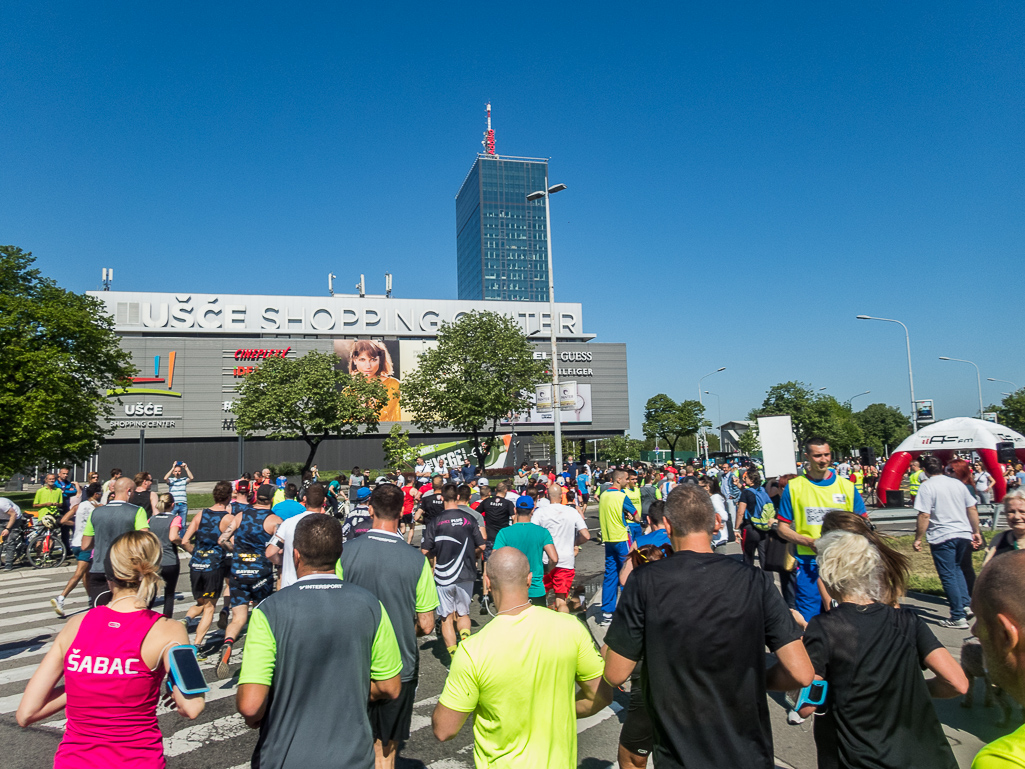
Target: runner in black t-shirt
x=453, y=539
x=498, y=512
x=701, y=622
x=431, y=503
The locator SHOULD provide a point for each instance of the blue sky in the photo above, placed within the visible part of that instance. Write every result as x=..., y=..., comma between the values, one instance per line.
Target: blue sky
x=743, y=180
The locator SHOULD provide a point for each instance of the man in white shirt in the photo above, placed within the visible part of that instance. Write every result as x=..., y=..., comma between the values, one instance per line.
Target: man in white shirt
x=949, y=520
x=279, y=549
x=568, y=530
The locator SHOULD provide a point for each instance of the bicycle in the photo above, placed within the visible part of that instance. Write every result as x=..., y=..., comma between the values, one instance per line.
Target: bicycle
x=38, y=542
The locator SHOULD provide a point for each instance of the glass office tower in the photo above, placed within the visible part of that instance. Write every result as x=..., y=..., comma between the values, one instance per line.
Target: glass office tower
x=501, y=241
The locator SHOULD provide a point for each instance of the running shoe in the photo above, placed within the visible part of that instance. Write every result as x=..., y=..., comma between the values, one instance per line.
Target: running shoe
x=58, y=605
x=223, y=671
x=968, y=612
x=605, y=620
x=794, y=718
x=957, y=624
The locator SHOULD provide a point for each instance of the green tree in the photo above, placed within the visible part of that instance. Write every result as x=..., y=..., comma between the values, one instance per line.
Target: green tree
x=59, y=358
x=812, y=414
x=669, y=421
x=883, y=426
x=397, y=452
x=307, y=398
x=481, y=370
x=619, y=448
x=748, y=442
x=1011, y=411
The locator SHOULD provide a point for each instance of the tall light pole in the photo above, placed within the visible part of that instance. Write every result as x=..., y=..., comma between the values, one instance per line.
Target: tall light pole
x=978, y=376
x=848, y=401
x=702, y=402
x=546, y=193
x=718, y=411
x=1005, y=381
x=911, y=376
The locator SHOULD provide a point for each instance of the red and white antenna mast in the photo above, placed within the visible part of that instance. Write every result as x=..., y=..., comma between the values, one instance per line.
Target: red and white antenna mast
x=489, y=135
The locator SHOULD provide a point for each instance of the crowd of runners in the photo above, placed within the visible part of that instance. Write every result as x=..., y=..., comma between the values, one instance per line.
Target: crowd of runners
x=331, y=583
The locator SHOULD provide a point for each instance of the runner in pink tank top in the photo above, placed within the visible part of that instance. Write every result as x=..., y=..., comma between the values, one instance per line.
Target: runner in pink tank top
x=112, y=695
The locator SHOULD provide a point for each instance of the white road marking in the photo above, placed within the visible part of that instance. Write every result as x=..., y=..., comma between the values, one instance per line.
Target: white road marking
x=28, y=650
x=583, y=724
x=39, y=603
x=193, y=737
x=44, y=591
x=449, y=763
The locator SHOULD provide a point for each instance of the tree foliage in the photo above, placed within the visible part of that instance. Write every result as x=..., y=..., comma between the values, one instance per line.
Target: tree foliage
x=883, y=426
x=307, y=398
x=669, y=421
x=481, y=371
x=620, y=448
x=1011, y=411
x=812, y=414
x=397, y=452
x=59, y=356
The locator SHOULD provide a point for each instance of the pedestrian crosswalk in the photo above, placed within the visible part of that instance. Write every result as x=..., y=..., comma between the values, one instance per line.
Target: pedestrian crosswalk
x=218, y=739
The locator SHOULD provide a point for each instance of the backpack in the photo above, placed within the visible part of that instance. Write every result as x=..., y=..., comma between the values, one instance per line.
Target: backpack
x=764, y=515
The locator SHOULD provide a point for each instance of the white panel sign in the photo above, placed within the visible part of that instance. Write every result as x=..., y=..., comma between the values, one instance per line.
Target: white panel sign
x=543, y=399
x=776, y=434
x=567, y=396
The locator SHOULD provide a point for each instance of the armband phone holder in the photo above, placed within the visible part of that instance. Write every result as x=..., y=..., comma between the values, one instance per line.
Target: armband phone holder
x=184, y=672
x=815, y=694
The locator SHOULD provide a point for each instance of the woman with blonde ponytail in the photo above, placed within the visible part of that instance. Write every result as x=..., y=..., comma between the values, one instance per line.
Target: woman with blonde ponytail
x=113, y=659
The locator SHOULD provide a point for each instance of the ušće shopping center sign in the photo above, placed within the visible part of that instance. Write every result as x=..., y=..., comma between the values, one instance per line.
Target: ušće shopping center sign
x=179, y=314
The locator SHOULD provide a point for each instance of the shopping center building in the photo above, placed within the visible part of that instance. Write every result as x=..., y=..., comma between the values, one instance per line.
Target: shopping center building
x=192, y=350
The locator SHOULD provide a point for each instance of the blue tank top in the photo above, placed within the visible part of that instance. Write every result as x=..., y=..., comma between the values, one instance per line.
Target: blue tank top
x=251, y=540
x=207, y=555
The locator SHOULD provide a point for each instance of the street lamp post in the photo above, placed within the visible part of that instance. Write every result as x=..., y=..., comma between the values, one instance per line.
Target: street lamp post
x=701, y=401
x=718, y=411
x=848, y=401
x=546, y=193
x=978, y=376
x=911, y=376
x=1005, y=381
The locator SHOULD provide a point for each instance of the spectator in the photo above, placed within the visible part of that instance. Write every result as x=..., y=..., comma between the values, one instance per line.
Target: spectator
x=114, y=475
x=1012, y=539
x=167, y=525
x=755, y=517
x=143, y=495
x=313, y=653
x=949, y=520
x=467, y=472
x=400, y=578
x=999, y=604
x=178, y=478
x=519, y=676
x=878, y=711
x=701, y=623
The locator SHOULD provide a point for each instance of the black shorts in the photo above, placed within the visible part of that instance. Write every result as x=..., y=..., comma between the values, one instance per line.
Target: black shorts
x=637, y=735
x=245, y=590
x=207, y=584
x=97, y=588
x=585, y=498
x=407, y=519
x=390, y=719
x=489, y=546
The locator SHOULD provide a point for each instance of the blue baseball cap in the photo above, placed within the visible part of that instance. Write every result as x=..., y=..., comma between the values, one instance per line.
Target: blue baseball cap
x=525, y=503
x=362, y=493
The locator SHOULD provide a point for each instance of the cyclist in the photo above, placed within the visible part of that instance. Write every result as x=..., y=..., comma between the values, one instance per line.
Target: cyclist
x=112, y=660
x=83, y=558
x=12, y=531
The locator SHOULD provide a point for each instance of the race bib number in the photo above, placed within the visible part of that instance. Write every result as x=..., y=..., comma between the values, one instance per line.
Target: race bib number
x=814, y=515
x=840, y=499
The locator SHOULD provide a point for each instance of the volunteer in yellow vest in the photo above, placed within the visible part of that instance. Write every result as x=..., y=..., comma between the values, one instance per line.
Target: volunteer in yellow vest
x=615, y=510
x=633, y=492
x=858, y=479
x=802, y=506
x=915, y=478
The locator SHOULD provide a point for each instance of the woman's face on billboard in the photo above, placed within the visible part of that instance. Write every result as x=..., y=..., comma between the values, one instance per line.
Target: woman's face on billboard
x=367, y=364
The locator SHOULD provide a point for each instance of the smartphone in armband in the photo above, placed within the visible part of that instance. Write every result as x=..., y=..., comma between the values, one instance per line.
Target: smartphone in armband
x=185, y=673
x=815, y=694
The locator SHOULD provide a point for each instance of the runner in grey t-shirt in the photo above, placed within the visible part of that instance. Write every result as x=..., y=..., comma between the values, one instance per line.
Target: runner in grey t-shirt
x=107, y=523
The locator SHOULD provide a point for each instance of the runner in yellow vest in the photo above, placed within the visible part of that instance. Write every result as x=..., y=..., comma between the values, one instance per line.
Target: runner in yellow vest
x=802, y=506
x=615, y=510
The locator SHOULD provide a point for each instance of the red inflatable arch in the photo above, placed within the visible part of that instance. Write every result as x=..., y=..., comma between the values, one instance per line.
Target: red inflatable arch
x=942, y=439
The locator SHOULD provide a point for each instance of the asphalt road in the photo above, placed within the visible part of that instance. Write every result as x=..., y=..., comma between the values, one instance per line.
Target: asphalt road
x=218, y=738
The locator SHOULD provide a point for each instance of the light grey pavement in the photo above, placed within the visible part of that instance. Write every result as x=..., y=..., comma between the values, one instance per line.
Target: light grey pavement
x=218, y=739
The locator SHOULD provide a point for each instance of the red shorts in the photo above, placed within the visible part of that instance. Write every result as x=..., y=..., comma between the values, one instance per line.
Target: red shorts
x=559, y=580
